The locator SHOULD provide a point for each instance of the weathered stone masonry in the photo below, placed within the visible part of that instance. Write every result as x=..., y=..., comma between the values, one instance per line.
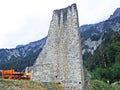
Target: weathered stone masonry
x=61, y=59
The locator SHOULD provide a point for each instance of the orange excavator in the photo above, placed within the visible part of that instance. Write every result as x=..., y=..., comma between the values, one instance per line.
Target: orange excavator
x=11, y=74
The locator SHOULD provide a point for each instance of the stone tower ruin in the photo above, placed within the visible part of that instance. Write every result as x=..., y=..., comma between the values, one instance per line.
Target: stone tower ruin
x=61, y=59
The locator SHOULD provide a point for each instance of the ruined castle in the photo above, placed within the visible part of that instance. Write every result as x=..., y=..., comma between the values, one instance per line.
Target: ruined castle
x=61, y=59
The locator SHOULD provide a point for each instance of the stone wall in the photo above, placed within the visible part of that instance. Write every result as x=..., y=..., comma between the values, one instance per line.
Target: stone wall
x=61, y=59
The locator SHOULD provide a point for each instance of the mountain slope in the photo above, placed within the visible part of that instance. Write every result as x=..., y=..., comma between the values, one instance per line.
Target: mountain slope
x=21, y=57
x=104, y=63
x=94, y=34
x=115, y=14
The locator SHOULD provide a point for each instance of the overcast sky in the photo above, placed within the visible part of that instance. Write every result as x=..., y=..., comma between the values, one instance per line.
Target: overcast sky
x=24, y=21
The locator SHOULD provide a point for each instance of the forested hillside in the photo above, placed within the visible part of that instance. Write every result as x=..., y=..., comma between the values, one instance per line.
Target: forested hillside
x=104, y=63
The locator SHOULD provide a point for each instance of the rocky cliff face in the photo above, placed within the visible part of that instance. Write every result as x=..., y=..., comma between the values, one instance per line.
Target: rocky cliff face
x=115, y=14
x=94, y=34
x=61, y=59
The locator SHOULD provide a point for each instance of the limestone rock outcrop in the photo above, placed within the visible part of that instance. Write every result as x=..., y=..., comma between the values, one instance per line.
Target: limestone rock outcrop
x=61, y=59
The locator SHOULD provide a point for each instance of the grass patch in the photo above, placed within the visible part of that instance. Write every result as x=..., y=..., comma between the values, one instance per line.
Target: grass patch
x=56, y=86
x=100, y=85
x=8, y=84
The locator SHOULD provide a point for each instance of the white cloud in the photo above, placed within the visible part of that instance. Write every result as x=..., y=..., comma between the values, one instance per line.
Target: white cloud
x=23, y=21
